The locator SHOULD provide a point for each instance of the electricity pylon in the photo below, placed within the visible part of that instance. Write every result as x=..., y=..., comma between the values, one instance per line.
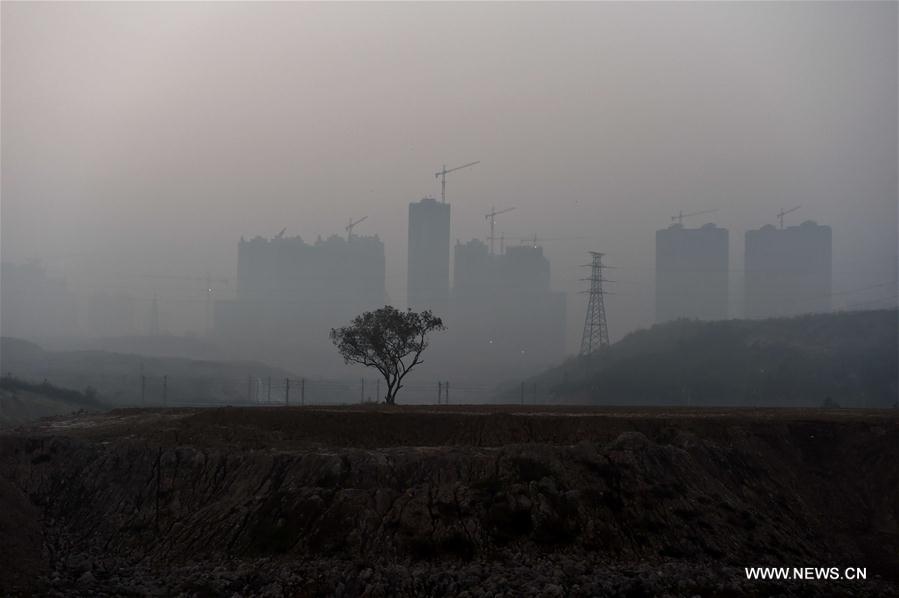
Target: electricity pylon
x=596, y=330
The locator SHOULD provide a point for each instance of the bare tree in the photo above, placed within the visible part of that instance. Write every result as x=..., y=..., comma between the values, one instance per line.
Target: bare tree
x=389, y=340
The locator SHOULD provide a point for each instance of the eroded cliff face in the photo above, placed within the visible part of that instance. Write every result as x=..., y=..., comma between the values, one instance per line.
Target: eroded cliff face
x=683, y=506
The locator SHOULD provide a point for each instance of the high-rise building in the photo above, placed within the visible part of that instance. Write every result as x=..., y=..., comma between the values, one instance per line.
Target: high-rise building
x=334, y=273
x=506, y=320
x=429, y=256
x=291, y=293
x=788, y=270
x=692, y=273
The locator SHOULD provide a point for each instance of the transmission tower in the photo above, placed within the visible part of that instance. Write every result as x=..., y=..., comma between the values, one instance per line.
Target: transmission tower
x=596, y=331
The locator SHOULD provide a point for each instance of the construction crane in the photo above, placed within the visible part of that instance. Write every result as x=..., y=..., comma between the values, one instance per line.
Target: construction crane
x=680, y=215
x=281, y=234
x=350, y=225
x=442, y=176
x=534, y=239
x=491, y=218
x=783, y=213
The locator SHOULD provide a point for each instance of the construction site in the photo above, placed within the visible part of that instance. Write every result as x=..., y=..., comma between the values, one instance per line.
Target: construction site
x=495, y=293
x=449, y=299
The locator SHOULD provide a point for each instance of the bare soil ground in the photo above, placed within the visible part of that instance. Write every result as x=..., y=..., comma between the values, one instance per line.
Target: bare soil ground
x=450, y=500
x=370, y=426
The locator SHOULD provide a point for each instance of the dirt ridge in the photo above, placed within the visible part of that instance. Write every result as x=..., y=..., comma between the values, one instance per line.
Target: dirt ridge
x=178, y=491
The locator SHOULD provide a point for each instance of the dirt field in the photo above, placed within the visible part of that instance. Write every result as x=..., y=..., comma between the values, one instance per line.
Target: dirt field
x=428, y=501
x=432, y=426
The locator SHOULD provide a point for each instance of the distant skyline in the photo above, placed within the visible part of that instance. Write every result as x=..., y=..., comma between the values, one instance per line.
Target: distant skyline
x=144, y=139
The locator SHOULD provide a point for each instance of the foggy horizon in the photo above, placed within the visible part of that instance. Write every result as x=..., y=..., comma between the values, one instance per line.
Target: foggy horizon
x=247, y=350
x=144, y=140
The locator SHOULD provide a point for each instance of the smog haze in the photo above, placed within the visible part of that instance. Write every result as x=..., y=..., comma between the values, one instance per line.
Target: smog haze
x=143, y=140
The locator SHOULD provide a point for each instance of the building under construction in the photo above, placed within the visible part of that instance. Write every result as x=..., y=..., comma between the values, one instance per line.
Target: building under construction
x=692, y=272
x=429, y=256
x=504, y=312
x=290, y=293
x=788, y=270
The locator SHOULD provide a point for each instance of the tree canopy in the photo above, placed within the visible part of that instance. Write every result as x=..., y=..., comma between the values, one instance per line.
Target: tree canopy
x=389, y=340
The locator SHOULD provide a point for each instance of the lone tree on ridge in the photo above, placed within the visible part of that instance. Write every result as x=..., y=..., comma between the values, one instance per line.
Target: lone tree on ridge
x=389, y=340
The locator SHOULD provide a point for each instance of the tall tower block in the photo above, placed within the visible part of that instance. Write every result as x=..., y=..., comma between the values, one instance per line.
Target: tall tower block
x=788, y=270
x=692, y=273
x=429, y=256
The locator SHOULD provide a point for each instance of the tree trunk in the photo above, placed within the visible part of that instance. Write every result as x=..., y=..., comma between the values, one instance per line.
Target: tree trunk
x=390, y=397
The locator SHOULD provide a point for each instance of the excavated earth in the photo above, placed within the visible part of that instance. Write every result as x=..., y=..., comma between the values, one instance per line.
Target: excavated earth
x=452, y=501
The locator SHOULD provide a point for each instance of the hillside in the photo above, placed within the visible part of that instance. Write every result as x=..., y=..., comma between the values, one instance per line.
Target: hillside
x=22, y=402
x=847, y=359
x=118, y=376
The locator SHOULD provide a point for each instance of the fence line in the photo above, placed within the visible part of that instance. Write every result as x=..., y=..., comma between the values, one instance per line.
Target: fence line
x=171, y=390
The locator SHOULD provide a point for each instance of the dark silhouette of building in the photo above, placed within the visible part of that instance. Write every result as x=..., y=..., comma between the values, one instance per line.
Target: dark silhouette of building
x=505, y=318
x=788, y=270
x=692, y=273
x=291, y=293
x=429, y=256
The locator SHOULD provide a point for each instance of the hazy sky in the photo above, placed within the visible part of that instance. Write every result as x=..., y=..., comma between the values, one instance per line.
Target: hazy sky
x=147, y=138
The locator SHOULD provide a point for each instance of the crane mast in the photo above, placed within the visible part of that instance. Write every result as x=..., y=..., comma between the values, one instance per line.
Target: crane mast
x=491, y=218
x=680, y=215
x=783, y=213
x=442, y=176
x=534, y=239
x=350, y=225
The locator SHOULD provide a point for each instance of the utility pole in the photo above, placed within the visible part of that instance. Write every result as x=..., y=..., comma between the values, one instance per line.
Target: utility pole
x=596, y=330
x=302, y=391
x=287, y=391
x=442, y=176
x=446, y=396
